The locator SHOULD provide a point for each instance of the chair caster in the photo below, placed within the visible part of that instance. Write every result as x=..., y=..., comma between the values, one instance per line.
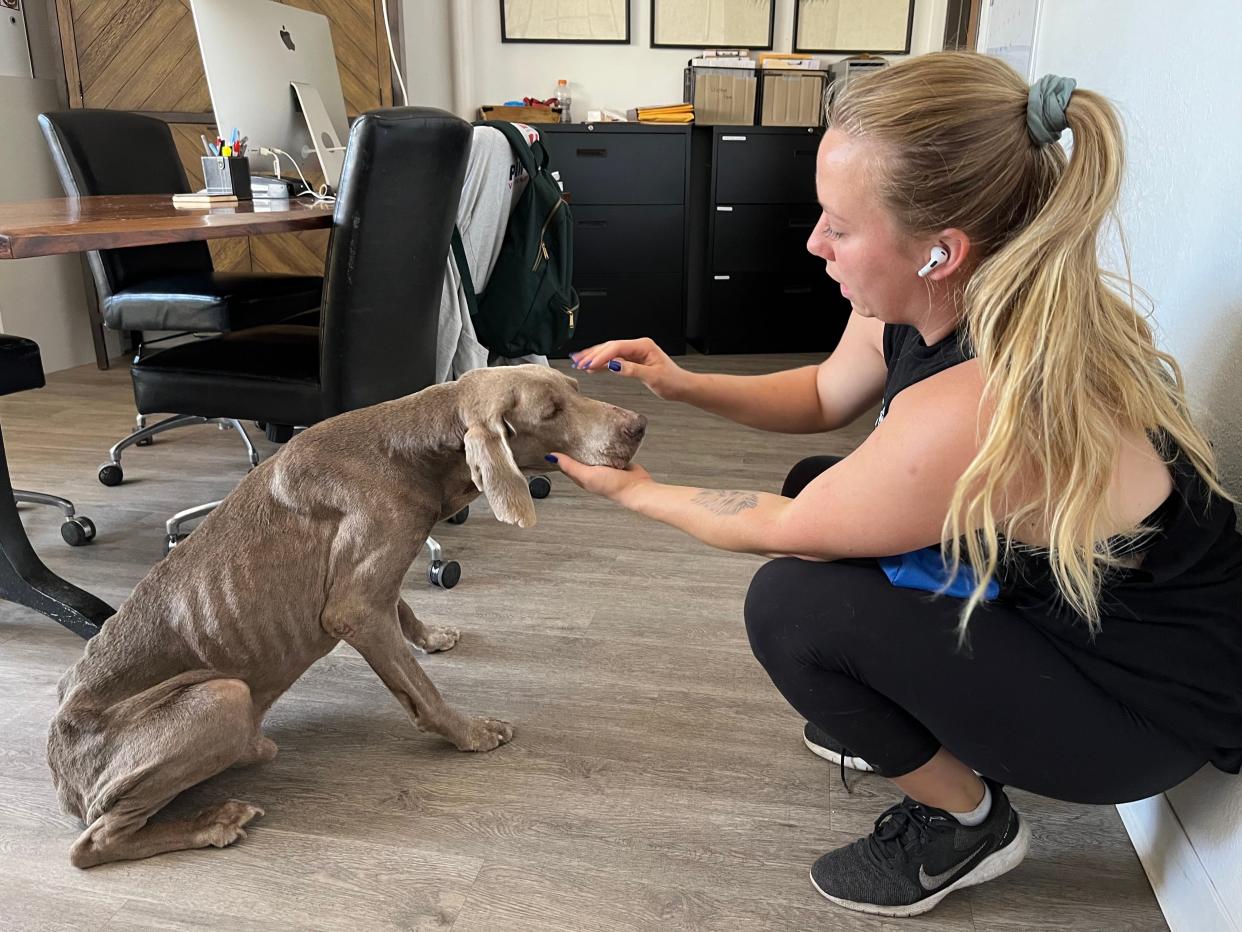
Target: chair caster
x=540, y=486
x=460, y=517
x=445, y=575
x=171, y=541
x=110, y=474
x=77, y=531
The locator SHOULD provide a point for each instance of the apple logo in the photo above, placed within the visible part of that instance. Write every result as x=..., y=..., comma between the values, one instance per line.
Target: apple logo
x=286, y=38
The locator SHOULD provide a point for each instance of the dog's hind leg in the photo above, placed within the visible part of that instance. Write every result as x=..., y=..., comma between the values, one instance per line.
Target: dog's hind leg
x=382, y=646
x=161, y=742
x=430, y=638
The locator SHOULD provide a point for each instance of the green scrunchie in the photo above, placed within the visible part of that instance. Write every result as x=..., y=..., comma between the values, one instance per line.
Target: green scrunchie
x=1045, y=107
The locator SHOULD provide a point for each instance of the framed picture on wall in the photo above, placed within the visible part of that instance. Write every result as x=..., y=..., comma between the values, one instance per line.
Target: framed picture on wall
x=712, y=24
x=851, y=27
x=581, y=21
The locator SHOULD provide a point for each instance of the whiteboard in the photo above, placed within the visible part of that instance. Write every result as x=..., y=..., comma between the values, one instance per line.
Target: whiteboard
x=1007, y=30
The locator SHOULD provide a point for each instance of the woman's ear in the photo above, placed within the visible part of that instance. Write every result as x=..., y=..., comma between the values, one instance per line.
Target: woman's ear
x=958, y=245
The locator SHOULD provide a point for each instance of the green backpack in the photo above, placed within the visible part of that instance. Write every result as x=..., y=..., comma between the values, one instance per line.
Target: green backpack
x=530, y=305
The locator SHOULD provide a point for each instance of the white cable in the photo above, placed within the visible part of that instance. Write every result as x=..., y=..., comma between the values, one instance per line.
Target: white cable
x=307, y=189
x=392, y=53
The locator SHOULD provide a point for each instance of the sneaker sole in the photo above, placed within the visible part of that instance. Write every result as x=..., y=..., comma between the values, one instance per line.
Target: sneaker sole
x=994, y=865
x=853, y=763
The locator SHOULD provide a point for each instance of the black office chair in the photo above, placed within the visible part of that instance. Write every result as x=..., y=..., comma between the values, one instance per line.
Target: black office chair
x=376, y=338
x=173, y=287
x=21, y=369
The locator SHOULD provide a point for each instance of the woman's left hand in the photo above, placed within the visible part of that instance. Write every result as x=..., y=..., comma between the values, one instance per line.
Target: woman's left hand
x=602, y=480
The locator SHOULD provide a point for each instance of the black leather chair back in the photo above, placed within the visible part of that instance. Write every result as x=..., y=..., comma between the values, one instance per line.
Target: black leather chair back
x=392, y=224
x=102, y=152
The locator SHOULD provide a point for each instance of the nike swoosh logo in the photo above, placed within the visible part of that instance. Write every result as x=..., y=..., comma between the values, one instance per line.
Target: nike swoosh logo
x=933, y=882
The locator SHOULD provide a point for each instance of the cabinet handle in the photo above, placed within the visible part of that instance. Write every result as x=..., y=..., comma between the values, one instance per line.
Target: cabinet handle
x=732, y=138
x=593, y=153
x=797, y=289
x=724, y=209
x=721, y=278
x=592, y=292
x=592, y=223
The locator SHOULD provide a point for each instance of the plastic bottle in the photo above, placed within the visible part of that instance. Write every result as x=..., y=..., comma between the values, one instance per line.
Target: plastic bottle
x=563, y=100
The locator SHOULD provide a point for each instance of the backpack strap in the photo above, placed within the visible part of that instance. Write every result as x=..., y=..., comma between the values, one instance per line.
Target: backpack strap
x=463, y=269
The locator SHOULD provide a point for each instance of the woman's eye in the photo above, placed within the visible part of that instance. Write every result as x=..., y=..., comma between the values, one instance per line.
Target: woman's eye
x=831, y=233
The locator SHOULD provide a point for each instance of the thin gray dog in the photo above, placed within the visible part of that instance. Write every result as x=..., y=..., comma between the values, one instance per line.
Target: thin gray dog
x=310, y=549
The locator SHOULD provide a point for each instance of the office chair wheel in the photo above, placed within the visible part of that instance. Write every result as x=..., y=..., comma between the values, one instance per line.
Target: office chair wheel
x=77, y=531
x=110, y=474
x=171, y=541
x=540, y=486
x=445, y=575
x=460, y=517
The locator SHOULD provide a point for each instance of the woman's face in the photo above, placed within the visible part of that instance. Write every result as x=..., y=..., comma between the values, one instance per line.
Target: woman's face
x=875, y=263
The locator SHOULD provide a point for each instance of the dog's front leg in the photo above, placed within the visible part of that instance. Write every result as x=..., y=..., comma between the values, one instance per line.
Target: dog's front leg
x=383, y=647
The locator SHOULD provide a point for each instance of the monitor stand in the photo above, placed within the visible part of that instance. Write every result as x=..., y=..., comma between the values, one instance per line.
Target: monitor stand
x=328, y=146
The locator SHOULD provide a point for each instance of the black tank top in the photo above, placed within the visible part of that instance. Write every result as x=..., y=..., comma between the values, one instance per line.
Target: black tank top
x=1170, y=642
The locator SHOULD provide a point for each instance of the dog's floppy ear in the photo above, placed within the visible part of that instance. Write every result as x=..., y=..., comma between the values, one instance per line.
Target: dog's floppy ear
x=495, y=472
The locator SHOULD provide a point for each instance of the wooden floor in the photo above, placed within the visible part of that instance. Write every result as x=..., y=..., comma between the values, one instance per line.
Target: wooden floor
x=656, y=780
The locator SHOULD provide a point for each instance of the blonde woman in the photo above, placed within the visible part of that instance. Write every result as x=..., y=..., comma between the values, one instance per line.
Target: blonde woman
x=1080, y=638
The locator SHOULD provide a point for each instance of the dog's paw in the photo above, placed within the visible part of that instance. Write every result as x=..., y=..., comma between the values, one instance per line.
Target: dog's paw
x=226, y=823
x=438, y=639
x=487, y=733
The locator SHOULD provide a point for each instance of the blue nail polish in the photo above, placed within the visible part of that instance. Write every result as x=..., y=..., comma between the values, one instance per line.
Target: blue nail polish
x=550, y=458
x=585, y=365
x=614, y=365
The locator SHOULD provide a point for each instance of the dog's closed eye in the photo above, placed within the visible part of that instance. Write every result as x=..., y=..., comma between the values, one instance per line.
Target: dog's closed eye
x=551, y=411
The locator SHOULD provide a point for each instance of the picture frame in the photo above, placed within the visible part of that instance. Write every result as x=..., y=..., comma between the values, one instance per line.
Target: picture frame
x=853, y=27
x=685, y=24
x=536, y=21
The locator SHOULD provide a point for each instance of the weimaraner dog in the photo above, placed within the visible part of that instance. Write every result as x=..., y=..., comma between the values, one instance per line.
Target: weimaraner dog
x=309, y=549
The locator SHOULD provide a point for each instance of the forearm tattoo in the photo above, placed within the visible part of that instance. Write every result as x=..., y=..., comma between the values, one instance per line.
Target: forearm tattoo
x=724, y=502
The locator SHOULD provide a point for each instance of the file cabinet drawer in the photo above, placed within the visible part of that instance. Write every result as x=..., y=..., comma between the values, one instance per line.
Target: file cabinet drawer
x=619, y=306
x=619, y=168
x=764, y=238
x=759, y=313
x=649, y=240
x=765, y=168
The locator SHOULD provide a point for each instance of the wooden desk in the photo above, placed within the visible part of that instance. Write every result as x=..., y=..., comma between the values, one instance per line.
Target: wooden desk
x=69, y=224
x=81, y=224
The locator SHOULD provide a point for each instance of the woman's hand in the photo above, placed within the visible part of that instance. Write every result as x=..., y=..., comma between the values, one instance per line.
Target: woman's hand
x=611, y=483
x=641, y=359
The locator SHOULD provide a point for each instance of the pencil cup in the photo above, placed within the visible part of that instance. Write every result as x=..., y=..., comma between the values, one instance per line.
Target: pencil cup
x=230, y=175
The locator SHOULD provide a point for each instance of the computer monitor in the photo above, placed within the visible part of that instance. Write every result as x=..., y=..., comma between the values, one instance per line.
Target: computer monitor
x=272, y=73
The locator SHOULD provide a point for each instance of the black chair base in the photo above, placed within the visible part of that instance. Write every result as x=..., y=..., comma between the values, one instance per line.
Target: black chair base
x=25, y=580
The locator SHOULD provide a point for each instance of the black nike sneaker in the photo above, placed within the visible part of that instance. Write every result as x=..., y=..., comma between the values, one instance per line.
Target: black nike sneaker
x=820, y=743
x=918, y=855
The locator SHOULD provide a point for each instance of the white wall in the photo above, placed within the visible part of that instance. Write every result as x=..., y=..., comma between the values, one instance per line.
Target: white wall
x=1181, y=212
x=617, y=77
x=43, y=299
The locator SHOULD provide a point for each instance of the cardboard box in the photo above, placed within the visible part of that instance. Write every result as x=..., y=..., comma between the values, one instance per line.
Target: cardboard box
x=722, y=96
x=793, y=98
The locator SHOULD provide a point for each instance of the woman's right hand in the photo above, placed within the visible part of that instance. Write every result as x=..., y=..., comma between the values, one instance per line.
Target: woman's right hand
x=641, y=359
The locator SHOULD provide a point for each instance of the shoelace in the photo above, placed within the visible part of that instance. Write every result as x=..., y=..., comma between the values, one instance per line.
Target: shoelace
x=898, y=828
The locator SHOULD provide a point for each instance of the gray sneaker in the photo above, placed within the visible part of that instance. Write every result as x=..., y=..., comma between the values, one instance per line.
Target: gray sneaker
x=918, y=855
x=830, y=749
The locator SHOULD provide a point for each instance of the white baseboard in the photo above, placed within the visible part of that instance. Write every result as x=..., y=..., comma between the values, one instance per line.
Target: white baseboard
x=1188, y=897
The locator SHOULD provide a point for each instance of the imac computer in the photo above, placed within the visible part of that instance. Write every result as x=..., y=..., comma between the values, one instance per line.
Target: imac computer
x=272, y=74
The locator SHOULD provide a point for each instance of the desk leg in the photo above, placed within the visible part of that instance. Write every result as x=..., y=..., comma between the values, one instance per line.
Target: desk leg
x=25, y=580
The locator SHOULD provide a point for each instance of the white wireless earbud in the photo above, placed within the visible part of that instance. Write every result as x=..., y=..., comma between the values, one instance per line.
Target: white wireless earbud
x=939, y=256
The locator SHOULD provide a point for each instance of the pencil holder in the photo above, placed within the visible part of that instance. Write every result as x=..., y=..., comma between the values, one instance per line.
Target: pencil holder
x=229, y=175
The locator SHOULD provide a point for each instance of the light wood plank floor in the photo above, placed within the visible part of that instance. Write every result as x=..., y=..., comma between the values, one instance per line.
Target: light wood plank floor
x=656, y=781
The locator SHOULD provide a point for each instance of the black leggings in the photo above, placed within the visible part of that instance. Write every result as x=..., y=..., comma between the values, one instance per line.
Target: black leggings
x=878, y=668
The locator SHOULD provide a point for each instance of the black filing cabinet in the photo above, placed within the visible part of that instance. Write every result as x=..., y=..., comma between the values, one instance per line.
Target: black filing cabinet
x=627, y=185
x=752, y=286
